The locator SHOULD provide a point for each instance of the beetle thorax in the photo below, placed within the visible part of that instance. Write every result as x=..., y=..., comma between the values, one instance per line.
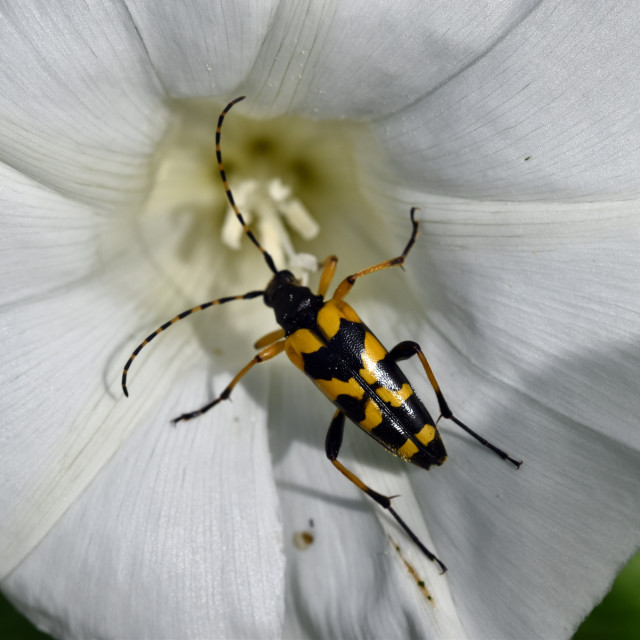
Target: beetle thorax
x=295, y=306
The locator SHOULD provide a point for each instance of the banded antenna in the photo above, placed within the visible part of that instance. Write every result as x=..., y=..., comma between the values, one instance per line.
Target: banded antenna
x=205, y=305
x=227, y=188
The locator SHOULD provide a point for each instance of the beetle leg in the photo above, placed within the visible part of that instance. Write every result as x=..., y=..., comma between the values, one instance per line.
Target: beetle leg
x=408, y=348
x=332, y=447
x=266, y=354
x=345, y=286
x=268, y=339
x=328, y=266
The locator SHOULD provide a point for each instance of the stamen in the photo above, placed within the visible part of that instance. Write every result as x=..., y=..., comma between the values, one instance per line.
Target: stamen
x=279, y=171
x=232, y=233
x=269, y=203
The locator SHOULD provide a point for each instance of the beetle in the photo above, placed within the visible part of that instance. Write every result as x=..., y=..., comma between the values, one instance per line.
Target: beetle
x=328, y=341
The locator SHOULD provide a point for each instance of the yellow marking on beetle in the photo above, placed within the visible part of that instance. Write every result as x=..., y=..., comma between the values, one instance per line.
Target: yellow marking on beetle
x=294, y=355
x=373, y=349
x=334, y=388
x=407, y=450
x=372, y=354
x=393, y=397
x=368, y=376
x=372, y=415
x=305, y=341
x=426, y=434
x=329, y=316
x=300, y=342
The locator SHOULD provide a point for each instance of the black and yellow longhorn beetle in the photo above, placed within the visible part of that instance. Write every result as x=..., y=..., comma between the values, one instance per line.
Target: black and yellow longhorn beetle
x=327, y=340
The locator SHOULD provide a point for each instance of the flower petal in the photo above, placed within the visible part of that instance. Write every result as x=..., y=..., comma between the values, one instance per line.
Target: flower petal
x=363, y=60
x=360, y=576
x=203, y=49
x=532, y=330
x=60, y=320
x=81, y=109
x=178, y=537
x=73, y=297
x=529, y=318
x=546, y=112
x=330, y=58
x=525, y=370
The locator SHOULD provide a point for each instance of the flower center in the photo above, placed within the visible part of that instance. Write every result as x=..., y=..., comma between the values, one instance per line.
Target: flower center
x=295, y=180
x=271, y=204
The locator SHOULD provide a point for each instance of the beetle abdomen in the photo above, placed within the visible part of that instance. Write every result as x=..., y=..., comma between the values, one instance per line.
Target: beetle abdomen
x=353, y=369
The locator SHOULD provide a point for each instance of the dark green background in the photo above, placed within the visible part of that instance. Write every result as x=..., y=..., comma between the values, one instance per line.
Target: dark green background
x=618, y=616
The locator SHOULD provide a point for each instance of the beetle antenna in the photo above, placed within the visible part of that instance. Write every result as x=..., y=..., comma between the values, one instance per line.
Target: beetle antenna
x=205, y=305
x=223, y=175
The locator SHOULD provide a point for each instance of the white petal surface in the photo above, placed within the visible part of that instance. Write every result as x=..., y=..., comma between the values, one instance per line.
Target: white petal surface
x=327, y=58
x=179, y=536
x=548, y=111
x=533, y=327
x=537, y=357
x=69, y=317
x=365, y=59
x=202, y=48
x=351, y=581
x=58, y=320
x=513, y=100
x=81, y=109
x=521, y=100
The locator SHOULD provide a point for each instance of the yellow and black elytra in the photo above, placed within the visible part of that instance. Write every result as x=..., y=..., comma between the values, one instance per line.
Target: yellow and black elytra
x=327, y=340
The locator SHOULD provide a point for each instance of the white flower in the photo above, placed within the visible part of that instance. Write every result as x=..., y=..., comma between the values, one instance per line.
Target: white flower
x=514, y=128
